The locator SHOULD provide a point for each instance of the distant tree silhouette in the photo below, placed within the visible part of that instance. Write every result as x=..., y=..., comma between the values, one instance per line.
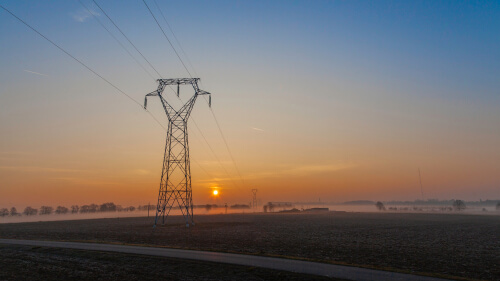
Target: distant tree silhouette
x=498, y=206
x=84, y=209
x=13, y=212
x=107, y=207
x=93, y=208
x=46, y=210
x=208, y=207
x=129, y=209
x=4, y=212
x=459, y=205
x=265, y=208
x=60, y=210
x=380, y=206
x=75, y=209
x=28, y=211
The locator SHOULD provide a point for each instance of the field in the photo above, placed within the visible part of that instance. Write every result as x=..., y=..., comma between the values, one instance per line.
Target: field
x=39, y=263
x=447, y=245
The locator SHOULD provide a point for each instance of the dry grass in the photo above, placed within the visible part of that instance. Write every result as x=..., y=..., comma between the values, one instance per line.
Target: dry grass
x=465, y=246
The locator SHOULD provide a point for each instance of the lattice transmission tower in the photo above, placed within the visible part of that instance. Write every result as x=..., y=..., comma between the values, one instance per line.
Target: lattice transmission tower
x=254, y=198
x=175, y=184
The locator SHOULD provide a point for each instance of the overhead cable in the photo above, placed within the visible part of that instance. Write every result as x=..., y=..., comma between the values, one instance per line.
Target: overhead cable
x=128, y=39
x=80, y=62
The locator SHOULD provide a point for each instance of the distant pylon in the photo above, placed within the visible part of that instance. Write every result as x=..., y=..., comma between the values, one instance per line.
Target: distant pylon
x=254, y=200
x=175, y=184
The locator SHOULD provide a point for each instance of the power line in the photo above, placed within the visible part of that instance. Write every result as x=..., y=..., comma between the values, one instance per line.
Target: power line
x=203, y=169
x=210, y=147
x=167, y=38
x=133, y=45
x=127, y=39
x=80, y=62
x=177, y=40
x=227, y=147
x=77, y=60
x=213, y=152
x=116, y=39
x=111, y=84
x=211, y=110
x=154, y=67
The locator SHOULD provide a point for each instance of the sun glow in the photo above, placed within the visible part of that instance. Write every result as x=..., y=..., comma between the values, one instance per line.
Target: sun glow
x=215, y=192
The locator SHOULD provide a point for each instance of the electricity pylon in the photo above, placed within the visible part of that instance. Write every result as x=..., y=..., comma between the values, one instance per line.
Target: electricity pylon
x=254, y=198
x=175, y=184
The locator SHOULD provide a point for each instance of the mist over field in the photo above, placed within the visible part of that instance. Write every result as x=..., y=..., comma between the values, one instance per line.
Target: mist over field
x=489, y=207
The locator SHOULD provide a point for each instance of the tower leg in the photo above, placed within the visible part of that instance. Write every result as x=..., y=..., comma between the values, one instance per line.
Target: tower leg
x=175, y=186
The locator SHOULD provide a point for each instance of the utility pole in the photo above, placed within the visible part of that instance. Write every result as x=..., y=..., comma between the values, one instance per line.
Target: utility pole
x=175, y=184
x=421, y=188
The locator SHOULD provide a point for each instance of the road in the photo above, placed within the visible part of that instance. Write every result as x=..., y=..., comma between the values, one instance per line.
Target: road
x=314, y=268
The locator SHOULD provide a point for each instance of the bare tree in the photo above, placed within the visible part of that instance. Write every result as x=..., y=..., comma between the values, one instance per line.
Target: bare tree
x=4, y=212
x=92, y=208
x=107, y=207
x=459, y=205
x=13, y=212
x=75, y=209
x=46, y=210
x=28, y=211
x=380, y=206
x=60, y=210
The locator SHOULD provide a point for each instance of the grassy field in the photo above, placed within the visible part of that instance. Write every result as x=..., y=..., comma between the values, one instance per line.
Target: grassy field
x=447, y=245
x=39, y=263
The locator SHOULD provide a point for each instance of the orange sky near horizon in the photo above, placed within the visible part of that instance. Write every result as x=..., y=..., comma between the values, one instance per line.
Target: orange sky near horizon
x=331, y=101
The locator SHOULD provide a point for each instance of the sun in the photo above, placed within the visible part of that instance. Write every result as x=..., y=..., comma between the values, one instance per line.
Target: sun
x=215, y=192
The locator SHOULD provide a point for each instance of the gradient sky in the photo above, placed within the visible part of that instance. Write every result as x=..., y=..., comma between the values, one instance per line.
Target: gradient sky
x=338, y=100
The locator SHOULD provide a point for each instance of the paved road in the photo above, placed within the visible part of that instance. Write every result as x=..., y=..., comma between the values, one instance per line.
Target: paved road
x=331, y=270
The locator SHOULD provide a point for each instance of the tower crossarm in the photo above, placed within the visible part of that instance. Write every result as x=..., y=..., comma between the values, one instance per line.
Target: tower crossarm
x=180, y=81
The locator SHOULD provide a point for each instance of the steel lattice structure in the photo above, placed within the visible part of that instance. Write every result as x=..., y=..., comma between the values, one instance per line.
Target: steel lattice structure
x=175, y=184
x=254, y=198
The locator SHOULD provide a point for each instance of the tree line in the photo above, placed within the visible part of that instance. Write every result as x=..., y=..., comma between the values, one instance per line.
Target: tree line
x=457, y=205
x=74, y=209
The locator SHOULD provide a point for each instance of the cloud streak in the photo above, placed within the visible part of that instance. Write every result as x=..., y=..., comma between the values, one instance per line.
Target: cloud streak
x=82, y=15
x=37, y=73
x=41, y=169
x=290, y=171
x=83, y=181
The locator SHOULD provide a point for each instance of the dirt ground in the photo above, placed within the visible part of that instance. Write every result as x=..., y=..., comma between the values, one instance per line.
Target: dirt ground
x=39, y=263
x=446, y=245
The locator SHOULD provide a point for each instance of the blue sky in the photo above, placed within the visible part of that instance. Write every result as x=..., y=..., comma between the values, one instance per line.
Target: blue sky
x=342, y=89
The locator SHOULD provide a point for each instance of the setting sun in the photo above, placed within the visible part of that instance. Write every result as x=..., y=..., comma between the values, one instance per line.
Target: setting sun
x=215, y=192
